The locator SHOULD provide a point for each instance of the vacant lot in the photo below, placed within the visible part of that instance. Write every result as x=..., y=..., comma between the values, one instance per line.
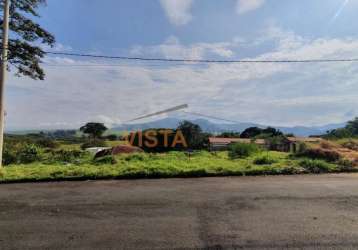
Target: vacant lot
x=173, y=164
x=296, y=212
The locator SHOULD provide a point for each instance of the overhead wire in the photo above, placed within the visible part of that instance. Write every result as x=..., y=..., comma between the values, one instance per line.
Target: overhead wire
x=202, y=60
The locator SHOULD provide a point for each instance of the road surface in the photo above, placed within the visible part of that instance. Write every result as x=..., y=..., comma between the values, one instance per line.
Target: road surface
x=296, y=212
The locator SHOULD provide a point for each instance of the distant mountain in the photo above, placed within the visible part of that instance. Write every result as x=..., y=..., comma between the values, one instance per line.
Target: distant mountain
x=211, y=127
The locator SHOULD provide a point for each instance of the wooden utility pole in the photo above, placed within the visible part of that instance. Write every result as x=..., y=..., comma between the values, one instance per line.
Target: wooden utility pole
x=3, y=72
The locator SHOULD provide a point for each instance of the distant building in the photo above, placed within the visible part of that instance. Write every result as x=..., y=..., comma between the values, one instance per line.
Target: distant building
x=219, y=144
x=290, y=144
x=294, y=142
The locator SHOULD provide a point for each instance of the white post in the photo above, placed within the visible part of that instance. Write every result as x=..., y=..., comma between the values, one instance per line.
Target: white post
x=3, y=71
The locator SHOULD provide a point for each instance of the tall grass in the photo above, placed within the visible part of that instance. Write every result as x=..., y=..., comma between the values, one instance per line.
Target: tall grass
x=242, y=150
x=166, y=165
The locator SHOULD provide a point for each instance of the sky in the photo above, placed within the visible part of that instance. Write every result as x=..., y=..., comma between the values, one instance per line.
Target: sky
x=79, y=90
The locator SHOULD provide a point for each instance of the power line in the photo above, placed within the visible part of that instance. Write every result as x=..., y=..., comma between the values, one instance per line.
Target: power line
x=202, y=60
x=209, y=116
x=114, y=65
x=173, y=109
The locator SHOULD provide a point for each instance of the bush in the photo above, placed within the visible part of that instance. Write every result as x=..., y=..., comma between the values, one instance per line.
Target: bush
x=112, y=137
x=242, y=150
x=345, y=165
x=321, y=153
x=93, y=143
x=47, y=143
x=16, y=152
x=28, y=154
x=315, y=166
x=9, y=156
x=275, y=142
x=264, y=160
x=67, y=156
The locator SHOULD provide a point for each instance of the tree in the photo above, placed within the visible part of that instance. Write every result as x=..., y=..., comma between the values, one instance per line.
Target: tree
x=25, y=51
x=229, y=135
x=272, y=132
x=352, y=126
x=251, y=132
x=255, y=132
x=112, y=137
x=350, y=130
x=193, y=135
x=93, y=129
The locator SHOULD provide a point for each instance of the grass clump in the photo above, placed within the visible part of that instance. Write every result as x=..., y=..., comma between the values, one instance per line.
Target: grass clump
x=242, y=150
x=320, y=154
x=135, y=157
x=94, y=143
x=66, y=156
x=109, y=159
x=317, y=166
x=346, y=165
x=264, y=160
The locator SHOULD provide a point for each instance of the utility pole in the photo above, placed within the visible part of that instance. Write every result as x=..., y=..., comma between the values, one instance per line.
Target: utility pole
x=3, y=72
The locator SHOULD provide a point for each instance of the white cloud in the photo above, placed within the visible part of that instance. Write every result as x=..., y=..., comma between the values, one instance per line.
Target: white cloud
x=277, y=94
x=172, y=48
x=244, y=6
x=106, y=120
x=178, y=11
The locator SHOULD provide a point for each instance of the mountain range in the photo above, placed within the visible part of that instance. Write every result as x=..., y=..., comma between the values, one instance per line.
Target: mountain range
x=216, y=128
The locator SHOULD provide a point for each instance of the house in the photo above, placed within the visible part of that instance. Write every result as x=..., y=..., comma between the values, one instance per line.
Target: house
x=295, y=142
x=219, y=144
x=289, y=144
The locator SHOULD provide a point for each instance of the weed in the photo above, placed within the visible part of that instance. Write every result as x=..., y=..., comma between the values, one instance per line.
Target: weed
x=242, y=150
x=315, y=166
x=264, y=160
x=109, y=159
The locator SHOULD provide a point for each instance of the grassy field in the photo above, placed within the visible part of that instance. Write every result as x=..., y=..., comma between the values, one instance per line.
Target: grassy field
x=173, y=164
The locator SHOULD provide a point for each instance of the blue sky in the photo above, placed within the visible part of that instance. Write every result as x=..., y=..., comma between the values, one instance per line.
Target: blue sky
x=79, y=90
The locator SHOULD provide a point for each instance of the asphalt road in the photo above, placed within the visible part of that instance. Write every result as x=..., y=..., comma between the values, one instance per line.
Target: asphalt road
x=297, y=212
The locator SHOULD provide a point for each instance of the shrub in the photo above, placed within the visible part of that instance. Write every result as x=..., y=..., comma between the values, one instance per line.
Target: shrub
x=109, y=159
x=67, y=156
x=345, y=165
x=320, y=153
x=242, y=150
x=264, y=160
x=315, y=166
x=112, y=137
x=29, y=153
x=47, y=143
x=275, y=142
x=93, y=143
x=9, y=156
